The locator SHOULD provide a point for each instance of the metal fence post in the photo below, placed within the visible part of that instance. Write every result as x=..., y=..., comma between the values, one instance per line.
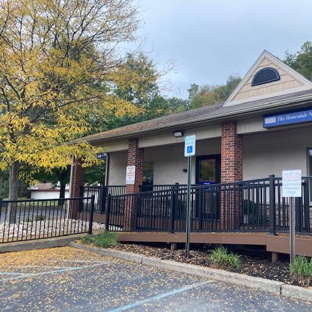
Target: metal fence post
x=91, y=215
x=103, y=196
x=108, y=206
x=172, y=207
x=137, y=200
x=306, y=206
x=200, y=204
x=272, y=205
x=299, y=213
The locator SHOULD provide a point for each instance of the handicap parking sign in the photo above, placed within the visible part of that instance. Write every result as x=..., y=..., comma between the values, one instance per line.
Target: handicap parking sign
x=189, y=149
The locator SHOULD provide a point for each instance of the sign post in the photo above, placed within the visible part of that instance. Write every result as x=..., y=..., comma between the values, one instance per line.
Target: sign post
x=189, y=151
x=291, y=181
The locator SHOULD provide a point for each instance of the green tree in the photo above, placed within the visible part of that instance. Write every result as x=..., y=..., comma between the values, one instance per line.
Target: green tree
x=211, y=94
x=224, y=91
x=58, y=62
x=137, y=84
x=176, y=105
x=192, y=91
x=301, y=61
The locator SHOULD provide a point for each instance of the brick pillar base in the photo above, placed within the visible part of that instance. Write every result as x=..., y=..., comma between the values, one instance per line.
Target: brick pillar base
x=231, y=171
x=135, y=158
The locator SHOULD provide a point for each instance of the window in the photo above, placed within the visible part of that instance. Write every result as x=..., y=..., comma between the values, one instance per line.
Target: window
x=265, y=75
x=148, y=176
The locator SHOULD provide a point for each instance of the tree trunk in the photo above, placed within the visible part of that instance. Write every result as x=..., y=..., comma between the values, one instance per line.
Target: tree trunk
x=62, y=193
x=13, y=190
x=63, y=176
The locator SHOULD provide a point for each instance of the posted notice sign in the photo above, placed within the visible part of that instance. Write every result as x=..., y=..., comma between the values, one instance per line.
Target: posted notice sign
x=130, y=175
x=291, y=181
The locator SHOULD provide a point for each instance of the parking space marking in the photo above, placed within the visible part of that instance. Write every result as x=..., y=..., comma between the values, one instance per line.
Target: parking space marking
x=22, y=275
x=161, y=296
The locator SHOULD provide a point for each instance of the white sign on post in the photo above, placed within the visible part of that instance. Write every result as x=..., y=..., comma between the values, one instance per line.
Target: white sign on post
x=291, y=181
x=130, y=175
x=190, y=145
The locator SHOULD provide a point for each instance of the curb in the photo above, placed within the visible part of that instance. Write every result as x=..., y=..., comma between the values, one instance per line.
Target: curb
x=38, y=244
x=274, y=287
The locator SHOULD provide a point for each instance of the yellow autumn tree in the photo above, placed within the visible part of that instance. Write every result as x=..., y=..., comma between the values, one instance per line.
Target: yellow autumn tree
x=58, y=61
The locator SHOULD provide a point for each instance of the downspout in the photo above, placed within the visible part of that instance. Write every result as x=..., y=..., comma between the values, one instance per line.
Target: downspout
x=71, y=178
x=106, y=170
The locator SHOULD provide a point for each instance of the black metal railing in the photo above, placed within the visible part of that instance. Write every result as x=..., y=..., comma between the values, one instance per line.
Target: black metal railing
x=100, y=194
x=22, y=220
x=250, y=206
x=302, y=207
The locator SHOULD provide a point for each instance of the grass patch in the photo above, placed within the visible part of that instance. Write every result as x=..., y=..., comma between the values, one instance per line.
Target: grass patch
x=221, y=258
x=301, y=270
x=40, y=217
x=102, y=240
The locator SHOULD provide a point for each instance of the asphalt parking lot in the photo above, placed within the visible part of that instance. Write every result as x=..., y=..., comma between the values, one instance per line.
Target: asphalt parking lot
x=68, y=279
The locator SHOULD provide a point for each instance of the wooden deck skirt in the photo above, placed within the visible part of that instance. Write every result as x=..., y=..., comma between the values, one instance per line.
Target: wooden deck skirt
x=278, y=243
x=273, y=243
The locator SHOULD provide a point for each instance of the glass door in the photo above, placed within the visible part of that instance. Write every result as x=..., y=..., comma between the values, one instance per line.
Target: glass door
x=208, y=169
x=208, y=172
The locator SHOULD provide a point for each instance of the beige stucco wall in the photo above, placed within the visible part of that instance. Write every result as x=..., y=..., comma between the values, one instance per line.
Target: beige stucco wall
x=117, y=168
x=272, y=152
x=264, y=154
x=208, y=132
x=169, y=162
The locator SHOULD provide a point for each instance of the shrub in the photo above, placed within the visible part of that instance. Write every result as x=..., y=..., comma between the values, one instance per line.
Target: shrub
x=301, y=270
x=40, y=217
x=103, y=240
x=221, y=258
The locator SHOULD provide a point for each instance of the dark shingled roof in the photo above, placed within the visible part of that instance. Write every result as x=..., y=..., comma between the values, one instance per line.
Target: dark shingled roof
x=198, y=115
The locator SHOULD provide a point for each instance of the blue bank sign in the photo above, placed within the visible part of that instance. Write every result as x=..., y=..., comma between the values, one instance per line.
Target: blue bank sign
x=287, y=118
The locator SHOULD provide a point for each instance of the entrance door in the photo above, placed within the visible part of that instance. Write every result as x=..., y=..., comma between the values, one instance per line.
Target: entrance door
x=208, y=172
x=208, y=169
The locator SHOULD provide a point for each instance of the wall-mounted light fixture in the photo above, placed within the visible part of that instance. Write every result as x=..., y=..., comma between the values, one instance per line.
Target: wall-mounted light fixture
x=178, y=134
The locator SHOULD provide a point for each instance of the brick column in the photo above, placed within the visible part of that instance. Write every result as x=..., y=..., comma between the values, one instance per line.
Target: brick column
x=77, y=181
x=231, y=171
x=135, y=158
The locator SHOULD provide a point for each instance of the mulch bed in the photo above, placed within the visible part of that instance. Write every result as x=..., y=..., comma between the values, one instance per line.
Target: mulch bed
x=255, y=262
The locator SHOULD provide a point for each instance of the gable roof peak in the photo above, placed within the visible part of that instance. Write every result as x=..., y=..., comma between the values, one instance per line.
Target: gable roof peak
x=268, y=77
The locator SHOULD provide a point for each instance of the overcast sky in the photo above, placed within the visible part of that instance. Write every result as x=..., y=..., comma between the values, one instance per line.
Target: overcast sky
x=211, y=39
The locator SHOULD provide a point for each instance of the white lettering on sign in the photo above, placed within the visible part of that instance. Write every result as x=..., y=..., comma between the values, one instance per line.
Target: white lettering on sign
x=291, y=183
x=292, y=176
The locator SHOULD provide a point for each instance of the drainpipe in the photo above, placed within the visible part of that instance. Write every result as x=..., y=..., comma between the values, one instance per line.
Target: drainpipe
x=71, y=178
x=106, y=169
